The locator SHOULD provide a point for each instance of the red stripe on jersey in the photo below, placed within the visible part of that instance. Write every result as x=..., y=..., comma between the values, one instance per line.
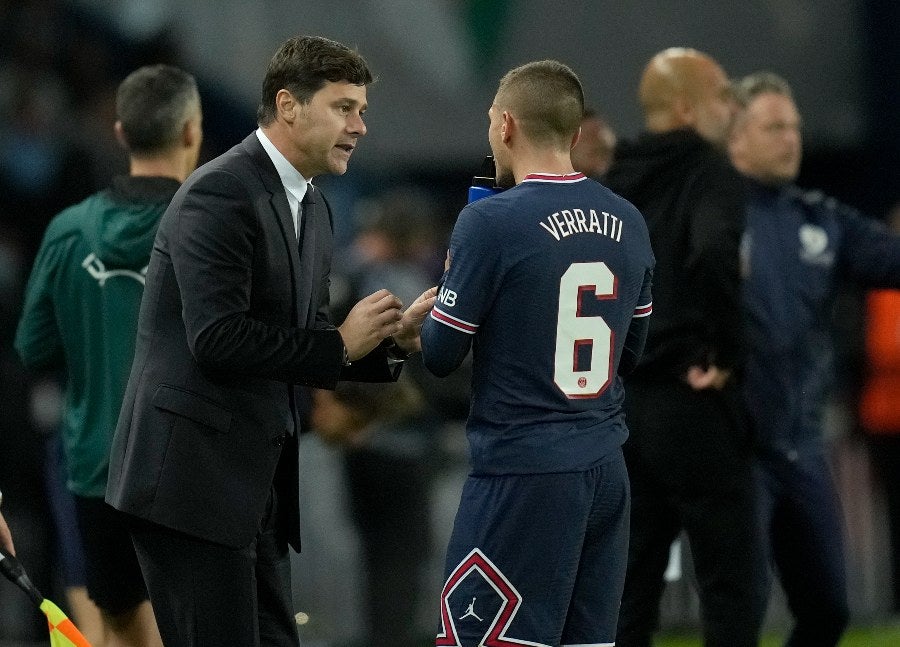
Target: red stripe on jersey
x=550, y=177
x=643, y=311
x=453, y=322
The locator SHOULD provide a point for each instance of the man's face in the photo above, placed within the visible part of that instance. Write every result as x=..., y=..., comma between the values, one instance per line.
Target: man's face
x=766, y=142
x=325, y=131
x=713, y=105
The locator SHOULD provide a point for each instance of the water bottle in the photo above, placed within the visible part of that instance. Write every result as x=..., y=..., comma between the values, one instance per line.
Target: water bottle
x=485, y=183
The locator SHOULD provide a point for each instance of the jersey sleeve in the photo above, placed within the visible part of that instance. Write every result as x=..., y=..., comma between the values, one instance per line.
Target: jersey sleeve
x=465, y=293
x=38, y=340
x=636, y=336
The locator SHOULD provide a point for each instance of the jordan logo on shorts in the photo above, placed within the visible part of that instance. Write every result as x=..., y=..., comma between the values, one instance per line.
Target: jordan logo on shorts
x=476, y=579
x=470, y=611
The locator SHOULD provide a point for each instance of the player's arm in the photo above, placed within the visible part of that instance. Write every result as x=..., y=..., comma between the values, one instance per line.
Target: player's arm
x=443, y=348
x=636, y=336
x=716, y=230
x=464, y=294
x=870, y=252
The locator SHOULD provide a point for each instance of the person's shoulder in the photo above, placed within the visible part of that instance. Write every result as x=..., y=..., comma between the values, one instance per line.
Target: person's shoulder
x=236, y=166
x=71, y=221
x=813, y=198
x=822, y=204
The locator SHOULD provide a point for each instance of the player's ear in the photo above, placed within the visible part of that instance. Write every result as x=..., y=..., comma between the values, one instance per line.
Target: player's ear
x=575, y=138
x=507, y=127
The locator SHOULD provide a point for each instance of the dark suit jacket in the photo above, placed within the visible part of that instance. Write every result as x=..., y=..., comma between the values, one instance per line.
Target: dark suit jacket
x=234, y=316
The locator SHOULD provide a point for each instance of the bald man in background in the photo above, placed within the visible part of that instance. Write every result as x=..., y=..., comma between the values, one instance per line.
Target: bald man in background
x=688, y=455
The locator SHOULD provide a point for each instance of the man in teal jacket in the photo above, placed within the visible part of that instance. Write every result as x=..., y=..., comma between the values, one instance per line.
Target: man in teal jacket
x=80, y=316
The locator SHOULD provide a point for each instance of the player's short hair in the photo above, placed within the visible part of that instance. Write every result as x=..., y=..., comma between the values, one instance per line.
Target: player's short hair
x=302, y=66
x=751, y=86
x=547, y=98
x=152, y=104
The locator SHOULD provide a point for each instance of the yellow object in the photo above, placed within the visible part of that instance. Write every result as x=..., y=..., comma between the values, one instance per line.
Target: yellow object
x=63, y=632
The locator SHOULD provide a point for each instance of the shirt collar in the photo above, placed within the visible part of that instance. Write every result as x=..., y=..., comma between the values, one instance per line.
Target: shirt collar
x=554, y=177
x=293, y=182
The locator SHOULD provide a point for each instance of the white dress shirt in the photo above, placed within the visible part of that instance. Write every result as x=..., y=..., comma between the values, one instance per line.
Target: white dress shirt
x=295, y=185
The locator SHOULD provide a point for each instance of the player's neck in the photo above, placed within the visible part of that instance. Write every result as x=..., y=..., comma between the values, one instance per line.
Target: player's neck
x=543, y=164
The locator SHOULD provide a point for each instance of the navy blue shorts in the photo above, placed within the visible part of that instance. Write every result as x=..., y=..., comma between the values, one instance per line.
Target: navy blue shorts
x=538, y=559
x=114, y=579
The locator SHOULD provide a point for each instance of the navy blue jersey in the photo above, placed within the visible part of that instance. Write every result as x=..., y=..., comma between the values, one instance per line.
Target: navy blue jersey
x=546, y=278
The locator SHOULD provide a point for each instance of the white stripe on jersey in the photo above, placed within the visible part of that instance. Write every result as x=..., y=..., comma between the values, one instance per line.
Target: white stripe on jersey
x=643, y=311
x=454, y=322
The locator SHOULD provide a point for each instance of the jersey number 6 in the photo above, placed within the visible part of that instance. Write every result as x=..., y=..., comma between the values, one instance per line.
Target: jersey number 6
x=575, y=331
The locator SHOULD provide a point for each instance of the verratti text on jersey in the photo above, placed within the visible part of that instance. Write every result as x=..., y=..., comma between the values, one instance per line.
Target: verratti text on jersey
x=575, y=221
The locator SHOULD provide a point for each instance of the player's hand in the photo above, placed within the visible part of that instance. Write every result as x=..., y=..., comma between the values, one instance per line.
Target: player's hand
x=701, y=379
x=373, y=319
x=447, y=261
x=408, y=338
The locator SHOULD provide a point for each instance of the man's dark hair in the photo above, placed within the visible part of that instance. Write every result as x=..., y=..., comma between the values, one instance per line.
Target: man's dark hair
x=152, y=104
x=302, y=66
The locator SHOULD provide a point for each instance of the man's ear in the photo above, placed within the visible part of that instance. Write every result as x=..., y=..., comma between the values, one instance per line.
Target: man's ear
x=120, y=135
x=508, y=127
x=575, y=138
x=286, y=105
x=191, y=133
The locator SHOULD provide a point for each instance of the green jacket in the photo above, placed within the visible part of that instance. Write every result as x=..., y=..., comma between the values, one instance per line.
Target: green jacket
x=81, y=309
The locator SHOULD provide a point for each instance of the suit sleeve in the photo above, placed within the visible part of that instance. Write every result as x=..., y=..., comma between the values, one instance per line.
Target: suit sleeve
x=212, y=253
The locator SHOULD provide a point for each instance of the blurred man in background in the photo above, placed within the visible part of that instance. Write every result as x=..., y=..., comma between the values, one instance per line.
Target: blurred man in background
x=80, y=315
x=797, y=246
x=688, y=454
x=388, y=433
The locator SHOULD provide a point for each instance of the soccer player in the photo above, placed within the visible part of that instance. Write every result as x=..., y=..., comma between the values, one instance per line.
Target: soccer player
x=550, y=280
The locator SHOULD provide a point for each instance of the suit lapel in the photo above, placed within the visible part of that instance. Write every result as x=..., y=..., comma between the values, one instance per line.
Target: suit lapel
x=308, y=234
x=282, y=213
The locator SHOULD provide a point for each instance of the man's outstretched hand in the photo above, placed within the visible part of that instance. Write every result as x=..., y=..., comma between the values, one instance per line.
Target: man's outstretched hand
x=408, y=338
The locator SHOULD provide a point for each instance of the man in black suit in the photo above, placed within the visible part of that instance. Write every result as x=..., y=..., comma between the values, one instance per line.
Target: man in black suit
x=234, y=319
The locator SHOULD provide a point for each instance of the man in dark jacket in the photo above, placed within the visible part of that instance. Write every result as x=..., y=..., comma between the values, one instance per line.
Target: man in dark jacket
x=234, y=319
x=80, y=315
x=688, y=456
x=797, y=246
